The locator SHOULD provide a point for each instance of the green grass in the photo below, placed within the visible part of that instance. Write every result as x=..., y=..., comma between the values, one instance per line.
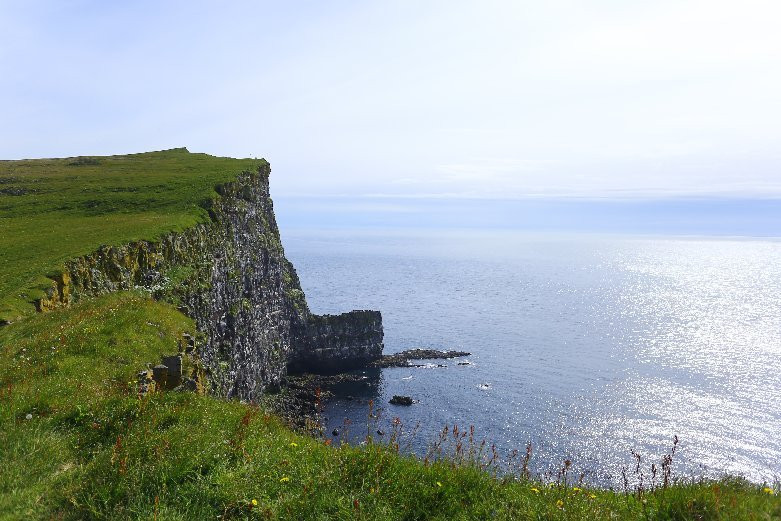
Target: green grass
x=94, y=450
x=52, y=210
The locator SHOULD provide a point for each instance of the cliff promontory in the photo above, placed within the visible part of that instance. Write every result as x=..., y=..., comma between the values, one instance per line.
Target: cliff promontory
x=227, y=271
x=130, y=259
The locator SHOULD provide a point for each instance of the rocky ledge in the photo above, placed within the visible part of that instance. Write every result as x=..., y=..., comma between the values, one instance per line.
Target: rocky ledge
x=403, y=358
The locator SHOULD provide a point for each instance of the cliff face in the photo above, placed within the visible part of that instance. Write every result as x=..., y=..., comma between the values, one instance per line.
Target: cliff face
x=232, y=277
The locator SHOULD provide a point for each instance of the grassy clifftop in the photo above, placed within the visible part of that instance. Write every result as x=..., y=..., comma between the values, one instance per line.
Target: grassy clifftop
x=52, y=210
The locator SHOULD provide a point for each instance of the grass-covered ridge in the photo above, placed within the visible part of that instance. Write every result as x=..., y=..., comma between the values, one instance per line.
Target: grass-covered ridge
x=52, y=210
x=78, y=443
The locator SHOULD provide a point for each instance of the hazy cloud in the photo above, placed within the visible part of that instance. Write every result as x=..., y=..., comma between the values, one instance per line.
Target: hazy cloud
x=459, y=98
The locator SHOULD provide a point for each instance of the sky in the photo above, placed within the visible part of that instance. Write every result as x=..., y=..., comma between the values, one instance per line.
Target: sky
x=451, y=99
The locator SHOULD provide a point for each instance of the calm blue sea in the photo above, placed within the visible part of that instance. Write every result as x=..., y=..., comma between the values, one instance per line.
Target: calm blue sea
x=586, y=346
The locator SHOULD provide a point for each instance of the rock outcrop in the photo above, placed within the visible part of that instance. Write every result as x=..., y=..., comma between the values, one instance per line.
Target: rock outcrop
x=231, y=276
x=401, y=400
x=329, y=344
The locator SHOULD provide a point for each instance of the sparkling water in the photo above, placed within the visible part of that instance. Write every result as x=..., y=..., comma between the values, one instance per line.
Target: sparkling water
x=588, y=347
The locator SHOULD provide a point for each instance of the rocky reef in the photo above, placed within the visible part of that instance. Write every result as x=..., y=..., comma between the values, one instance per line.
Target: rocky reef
x=231, y=276
x=404, y=358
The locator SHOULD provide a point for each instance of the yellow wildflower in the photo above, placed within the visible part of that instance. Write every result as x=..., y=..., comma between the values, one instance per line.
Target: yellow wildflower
x=575, y=489
x=535, y=490
x=254, y=502
x=592, y=496
x=439, y=484
x=560, y=504
x=293, y=444
x=284, y=479
x=768, y=490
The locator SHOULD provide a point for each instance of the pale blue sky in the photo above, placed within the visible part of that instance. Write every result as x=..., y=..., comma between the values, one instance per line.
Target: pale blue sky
x=486, y=99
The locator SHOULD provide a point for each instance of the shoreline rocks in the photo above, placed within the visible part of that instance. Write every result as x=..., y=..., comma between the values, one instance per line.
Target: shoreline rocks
x=403, y=358
x=303, y=395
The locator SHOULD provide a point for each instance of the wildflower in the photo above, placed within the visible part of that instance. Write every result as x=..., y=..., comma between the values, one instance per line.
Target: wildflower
x=575, y=489
x=293, y=444
x=284, y=479
x=592, y=496
x=254, y=502
x=560, y=504
x=535, y=490
x=439, y=484
x=768, y=490
x=29, y=416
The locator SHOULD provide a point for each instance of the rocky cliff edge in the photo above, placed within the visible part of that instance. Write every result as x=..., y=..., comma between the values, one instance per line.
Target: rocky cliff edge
x=231, y=276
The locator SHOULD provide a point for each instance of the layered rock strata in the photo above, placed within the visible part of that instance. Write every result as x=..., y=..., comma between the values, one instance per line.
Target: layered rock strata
x=231, y=276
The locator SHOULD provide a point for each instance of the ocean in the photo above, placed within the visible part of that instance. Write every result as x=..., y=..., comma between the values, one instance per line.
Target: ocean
x=588, y=347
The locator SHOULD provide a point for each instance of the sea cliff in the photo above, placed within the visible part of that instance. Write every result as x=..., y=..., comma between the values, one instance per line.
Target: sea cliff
x=187, y=234
x=231, y=276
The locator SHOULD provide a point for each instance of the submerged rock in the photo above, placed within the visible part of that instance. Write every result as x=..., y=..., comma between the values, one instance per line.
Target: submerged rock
x=401, y=400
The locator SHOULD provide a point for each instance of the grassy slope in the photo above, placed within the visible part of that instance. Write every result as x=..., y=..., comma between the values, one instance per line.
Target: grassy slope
x=92, y=449
x=52, y=210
